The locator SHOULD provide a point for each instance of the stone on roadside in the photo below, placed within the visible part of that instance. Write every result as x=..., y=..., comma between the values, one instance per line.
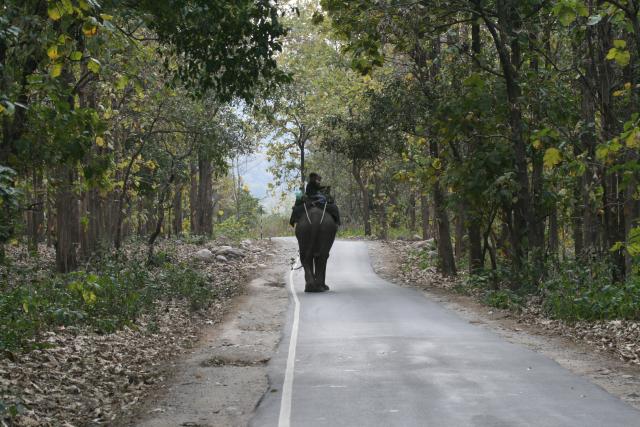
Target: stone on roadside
x=204, y=255
x=425, y=244
x=229, y=251
x=222, y=258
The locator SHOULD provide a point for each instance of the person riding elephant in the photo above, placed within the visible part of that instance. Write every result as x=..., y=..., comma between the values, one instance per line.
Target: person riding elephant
x=315, y=192
x=316, y=219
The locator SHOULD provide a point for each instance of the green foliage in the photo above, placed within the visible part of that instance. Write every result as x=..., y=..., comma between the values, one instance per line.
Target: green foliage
x=114, y=295
x=183, y=282
x=9, y=197
x=346, y=232
x=577, y=292
x=234, y=229
x=231, y=58
x=503, y=299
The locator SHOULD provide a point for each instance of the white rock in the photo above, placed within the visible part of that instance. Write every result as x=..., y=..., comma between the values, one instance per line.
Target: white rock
x=229, y=251
x=204, y=254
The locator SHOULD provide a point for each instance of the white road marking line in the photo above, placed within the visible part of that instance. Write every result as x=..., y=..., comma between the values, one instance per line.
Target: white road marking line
x=287, y=387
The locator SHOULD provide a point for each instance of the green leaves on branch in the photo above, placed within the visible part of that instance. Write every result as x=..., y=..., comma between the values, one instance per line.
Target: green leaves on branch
x=552, y=157
x=568, y=11
x=632, y=244
x=619, y=53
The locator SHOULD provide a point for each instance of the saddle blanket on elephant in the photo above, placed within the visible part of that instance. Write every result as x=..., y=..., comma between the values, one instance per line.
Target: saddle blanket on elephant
x=298, y=210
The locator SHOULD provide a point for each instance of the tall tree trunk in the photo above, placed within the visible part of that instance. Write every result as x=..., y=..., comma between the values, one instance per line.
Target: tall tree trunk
x=446, y=260
x=364, y=191
x=160, y=209
x=425, y=216
x=505, y=37
x=205, y=194
x=588, y=206
x=538, y=218
x=178, y=215
x=381, y=208
x=613, y=196
x=412, y=211
x=459, y=246
x=36, y=211
x=476, y=254
x=67, y=220
x=553, y=231
x=193, y=198
x=474, y=230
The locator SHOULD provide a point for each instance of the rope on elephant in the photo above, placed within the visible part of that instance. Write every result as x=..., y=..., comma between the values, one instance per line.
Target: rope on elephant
x=323, y=211
x=307, y=212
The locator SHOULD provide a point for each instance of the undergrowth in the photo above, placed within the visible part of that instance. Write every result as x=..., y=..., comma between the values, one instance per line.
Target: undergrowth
x=110, y=294
x=587, y=292
x=569, y=291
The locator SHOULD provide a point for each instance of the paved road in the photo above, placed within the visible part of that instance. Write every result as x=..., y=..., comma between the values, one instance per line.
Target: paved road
x=370, y=353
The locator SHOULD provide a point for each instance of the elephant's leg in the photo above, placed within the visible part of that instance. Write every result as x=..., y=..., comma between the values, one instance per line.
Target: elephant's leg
x=313, y=285
x=309, y=282
x=320, y=272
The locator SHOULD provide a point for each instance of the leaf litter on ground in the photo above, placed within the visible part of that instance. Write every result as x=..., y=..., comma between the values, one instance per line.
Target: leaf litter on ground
x=80, y=377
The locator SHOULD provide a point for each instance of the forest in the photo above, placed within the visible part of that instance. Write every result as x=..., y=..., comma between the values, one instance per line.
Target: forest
x=508, y=131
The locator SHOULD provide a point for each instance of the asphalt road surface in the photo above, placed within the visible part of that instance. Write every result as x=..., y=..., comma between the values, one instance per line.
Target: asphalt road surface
x=369, y=353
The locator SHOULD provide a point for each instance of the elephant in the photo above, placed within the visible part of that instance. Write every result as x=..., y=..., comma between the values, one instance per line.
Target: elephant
x=315, y=232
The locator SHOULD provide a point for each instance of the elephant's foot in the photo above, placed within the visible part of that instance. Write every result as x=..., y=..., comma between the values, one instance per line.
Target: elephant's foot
x=314, y=288
x=325, y=287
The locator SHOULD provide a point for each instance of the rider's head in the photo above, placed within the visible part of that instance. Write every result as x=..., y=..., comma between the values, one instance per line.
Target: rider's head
x=314, y=177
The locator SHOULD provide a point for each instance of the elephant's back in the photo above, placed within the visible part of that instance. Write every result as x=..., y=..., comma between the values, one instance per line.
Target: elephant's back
x=314, y=223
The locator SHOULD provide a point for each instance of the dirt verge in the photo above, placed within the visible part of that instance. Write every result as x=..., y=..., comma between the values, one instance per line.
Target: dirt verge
x=220, y=382
x=588, y=359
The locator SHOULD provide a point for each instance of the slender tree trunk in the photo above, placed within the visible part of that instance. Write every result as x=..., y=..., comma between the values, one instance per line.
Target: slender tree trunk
x=446, y=260
x=447, y=264
x=67, y=220
x=476, y=254
x=474, y=229
x=507, y=44
x=459, y=246
x=160, y=209
x=412, y=211
x=193, y=198
x=364, y=191
x=51, y=217
x=178, y=215
x=36, y=212
x=553, y=231
x=205, y=195
x=301, y=145
x=425, y=216
x=613, y=196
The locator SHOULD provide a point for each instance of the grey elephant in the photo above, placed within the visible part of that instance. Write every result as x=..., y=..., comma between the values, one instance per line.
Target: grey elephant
x=315, y=231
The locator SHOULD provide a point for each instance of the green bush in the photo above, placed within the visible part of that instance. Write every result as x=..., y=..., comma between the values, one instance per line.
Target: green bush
x=575, y=292
x=349, y=232
x=504, y=299
x=234, y=229
x=111, y=296
x=182, y=282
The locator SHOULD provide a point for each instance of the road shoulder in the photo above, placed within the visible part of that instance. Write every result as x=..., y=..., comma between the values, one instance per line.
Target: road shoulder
x=221, y=381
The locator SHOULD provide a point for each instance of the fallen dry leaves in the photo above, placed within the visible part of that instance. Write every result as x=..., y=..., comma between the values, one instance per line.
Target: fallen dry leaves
x=84, y=378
